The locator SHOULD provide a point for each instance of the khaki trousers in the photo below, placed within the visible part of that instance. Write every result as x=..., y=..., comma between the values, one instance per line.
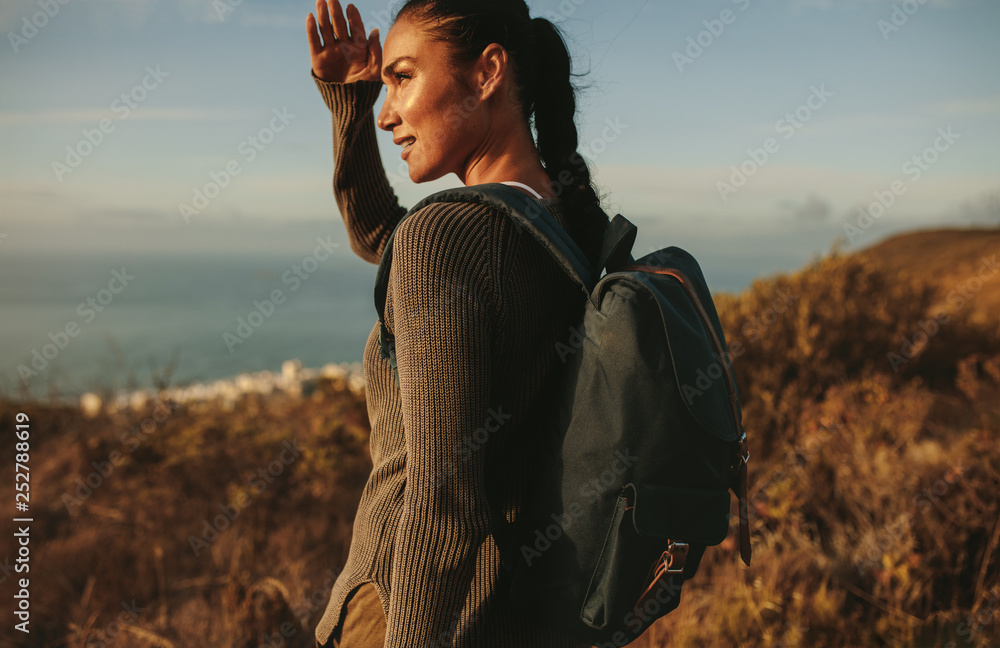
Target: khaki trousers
x=364, y=623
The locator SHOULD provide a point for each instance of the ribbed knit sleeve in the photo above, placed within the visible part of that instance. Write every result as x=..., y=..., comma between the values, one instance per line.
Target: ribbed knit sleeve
x=366, y=200
x=444, y=315
x=476, y=310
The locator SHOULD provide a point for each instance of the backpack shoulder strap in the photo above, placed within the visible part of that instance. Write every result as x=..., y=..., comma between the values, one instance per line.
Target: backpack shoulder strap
x=618, y=240
x=523, y=210
x=526, y=213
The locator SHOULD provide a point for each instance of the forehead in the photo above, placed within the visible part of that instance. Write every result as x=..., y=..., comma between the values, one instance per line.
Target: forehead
x=404, y=37
x=409, y=38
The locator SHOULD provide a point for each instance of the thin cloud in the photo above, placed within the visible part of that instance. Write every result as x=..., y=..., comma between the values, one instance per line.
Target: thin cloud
x=90, y=116
x=133, y=13
x=813, y=210
x=984, y=209
x=826, y=5
x=985, y=106
x=13, y=12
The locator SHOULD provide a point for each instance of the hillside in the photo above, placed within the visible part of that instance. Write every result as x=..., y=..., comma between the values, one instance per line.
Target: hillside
x=948, y=259
x=874, y=482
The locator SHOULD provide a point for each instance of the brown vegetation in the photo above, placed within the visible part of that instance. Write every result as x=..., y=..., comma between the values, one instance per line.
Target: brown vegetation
x=875, y=475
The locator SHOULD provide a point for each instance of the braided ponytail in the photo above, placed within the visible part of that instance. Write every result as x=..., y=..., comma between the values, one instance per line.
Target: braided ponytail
x=542, y=68
x=554, y=104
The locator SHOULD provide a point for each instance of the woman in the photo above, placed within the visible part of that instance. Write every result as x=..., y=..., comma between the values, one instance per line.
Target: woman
x=475, y=305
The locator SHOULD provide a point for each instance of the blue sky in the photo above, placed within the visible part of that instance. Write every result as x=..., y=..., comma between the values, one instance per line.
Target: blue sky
x=874, y=95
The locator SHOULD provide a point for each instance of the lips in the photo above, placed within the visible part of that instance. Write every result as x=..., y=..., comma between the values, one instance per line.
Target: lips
x=407, y=143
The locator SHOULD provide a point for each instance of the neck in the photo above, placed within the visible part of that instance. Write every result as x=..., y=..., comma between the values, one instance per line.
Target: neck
x=507, y=153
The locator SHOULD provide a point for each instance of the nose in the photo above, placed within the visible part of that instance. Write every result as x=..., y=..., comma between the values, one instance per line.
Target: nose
x=388, y=118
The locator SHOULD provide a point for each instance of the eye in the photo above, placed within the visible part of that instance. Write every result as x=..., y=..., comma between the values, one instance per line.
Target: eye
x=401, y=76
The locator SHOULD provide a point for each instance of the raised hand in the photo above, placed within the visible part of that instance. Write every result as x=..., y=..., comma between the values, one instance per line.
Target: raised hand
x=338, y=54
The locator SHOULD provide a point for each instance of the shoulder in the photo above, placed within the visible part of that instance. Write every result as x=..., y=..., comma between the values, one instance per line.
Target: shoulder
x=461, y=249
x=460, y=231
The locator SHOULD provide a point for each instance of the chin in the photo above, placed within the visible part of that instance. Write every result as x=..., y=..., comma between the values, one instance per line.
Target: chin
x=418, y=175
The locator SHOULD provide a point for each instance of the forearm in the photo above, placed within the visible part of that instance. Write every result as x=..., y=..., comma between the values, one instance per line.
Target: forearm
x=433, y=570
x=366, y=200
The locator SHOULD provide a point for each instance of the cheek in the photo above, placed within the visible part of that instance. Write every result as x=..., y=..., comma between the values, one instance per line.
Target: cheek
x=462, y=112
x=445, y=121
x=458, y=124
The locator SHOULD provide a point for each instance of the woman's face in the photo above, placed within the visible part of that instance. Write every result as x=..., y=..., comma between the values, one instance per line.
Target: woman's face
x=430, y=113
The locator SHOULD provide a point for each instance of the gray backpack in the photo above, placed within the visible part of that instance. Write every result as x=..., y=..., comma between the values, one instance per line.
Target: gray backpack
x=643, y=437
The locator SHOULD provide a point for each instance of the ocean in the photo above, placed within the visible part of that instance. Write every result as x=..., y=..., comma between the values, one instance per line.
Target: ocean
x=66, y=330
x=71, y=323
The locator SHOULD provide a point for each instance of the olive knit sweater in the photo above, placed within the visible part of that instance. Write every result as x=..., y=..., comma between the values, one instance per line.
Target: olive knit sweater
x=476, y=308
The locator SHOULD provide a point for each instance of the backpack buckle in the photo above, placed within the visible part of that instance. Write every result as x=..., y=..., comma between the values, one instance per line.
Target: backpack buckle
x=675, y=557
x=744, y=449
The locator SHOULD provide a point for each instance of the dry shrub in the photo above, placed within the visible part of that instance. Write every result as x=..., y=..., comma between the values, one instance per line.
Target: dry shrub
x=879, y=528
x=132, y=534
x=874, y=492
x=794, y=336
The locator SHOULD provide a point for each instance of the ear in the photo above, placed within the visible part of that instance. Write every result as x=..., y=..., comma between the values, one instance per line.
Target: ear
x=491, y=71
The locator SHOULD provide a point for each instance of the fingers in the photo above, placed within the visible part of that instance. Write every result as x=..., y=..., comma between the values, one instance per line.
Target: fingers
x=357, y=25
x=326, y=29
x=375, y=54
x=339, y=24
x=315, y=46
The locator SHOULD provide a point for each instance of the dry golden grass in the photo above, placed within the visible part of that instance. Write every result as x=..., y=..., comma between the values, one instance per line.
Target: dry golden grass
x=874, y=487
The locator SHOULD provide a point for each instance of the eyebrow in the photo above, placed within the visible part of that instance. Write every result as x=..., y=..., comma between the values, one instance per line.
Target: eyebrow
x=390, y=69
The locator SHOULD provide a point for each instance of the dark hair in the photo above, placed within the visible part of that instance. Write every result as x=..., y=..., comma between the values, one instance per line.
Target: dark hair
x=542, y=69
